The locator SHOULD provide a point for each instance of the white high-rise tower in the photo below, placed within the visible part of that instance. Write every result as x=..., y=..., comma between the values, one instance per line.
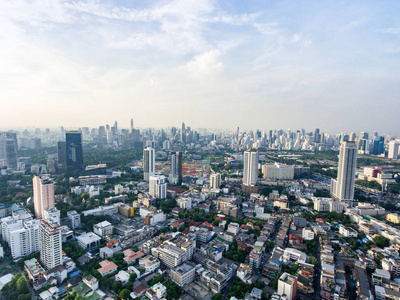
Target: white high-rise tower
x=149, y=163
x=250, y=172
x=394, y=147
x=50, y=244
x=343, y=187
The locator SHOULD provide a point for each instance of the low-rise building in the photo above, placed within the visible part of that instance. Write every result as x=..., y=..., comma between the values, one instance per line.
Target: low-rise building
x=88, y=240
x=107, y=267
x=183, y=274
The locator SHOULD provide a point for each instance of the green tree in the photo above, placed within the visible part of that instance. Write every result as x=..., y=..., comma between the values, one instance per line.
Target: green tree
x=313, y=260
x=125, y=294
x=381, y=241
x=216, y=297
x=132, y=277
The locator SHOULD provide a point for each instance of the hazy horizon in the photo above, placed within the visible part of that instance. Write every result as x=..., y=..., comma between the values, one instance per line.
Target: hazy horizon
x=212, y=64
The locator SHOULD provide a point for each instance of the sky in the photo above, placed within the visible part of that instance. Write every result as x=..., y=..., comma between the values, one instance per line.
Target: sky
x=334, y=65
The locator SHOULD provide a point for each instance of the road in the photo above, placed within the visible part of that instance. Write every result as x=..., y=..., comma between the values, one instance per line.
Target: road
x=317, y=272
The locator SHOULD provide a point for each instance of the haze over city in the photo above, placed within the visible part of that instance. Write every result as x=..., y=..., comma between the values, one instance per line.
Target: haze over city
x=217, y=64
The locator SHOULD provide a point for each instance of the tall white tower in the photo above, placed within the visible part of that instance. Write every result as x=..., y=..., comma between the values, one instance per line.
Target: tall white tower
x=394, y=149
x=343, y=187
x=250, y=172
x=149, y=163
x=50, y=244
x=43, y=195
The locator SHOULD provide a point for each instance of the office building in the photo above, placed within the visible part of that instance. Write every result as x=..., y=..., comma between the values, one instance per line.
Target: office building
x=74, y=219
x=173, y=176
x=250, y=172
x=103, y=229
x=342, y=188
x=158, y=187
x=62, y=156
x=50, y=244
x=215, y=180
x=183, y=274
x=74, y=151
x=287, y=286
x=394, y=147
x=379, y=145
x=179, y=163
x=43, y=195
x=278, y=171
x=8, y=148
x=149, y=163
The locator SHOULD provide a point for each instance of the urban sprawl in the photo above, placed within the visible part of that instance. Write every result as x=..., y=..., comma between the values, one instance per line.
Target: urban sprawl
x=177, y=213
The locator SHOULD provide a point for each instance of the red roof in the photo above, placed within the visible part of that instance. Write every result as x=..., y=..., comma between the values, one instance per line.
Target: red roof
x=111, y=243
x=193, y=223
x=186, y=231
x=219, y=218
x=320, y=219
x=208, y=224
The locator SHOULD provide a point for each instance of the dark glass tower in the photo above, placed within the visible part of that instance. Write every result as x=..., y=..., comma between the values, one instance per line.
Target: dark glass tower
x=74, y=152
x=179, y=159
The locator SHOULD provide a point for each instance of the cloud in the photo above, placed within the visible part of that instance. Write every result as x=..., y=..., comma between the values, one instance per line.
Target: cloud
x=205, y=63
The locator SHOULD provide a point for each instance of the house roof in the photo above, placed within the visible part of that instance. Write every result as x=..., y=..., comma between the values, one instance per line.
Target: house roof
x=106, y=266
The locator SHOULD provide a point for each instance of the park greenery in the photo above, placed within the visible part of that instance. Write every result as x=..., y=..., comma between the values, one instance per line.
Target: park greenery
x=17, y=289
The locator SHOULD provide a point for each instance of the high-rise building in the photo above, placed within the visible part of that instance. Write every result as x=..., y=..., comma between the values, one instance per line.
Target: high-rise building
x=50, y=244
x=62, y=156
x=394, y=147
x=74, y=151
x=179, y=162
x=149, y=163
x=22, y=237
x=250, y=172
x=43, y=195
x=379, y=145
x=343, y=188
x=173, y=176
x=215, y=180
x=287, y=286
x=8, y=148
x=158, y=187
x=183, y=133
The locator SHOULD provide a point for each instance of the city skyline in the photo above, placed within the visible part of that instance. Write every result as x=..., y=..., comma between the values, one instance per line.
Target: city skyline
x=213, y=64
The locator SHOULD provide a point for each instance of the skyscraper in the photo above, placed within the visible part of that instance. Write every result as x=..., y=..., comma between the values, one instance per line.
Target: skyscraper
x=50, y=244
x=43, y=195
x=74, y=152
x=250, y=172
x=379, y=145
x=394, y=149
x=343, y=187
x=179, y=162
x=183, y=133
x=149, y=163
x=8, y=148
x=62, y=156
x=173, y=176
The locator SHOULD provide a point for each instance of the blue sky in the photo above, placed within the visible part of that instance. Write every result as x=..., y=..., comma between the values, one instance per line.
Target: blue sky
x=218, y=64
